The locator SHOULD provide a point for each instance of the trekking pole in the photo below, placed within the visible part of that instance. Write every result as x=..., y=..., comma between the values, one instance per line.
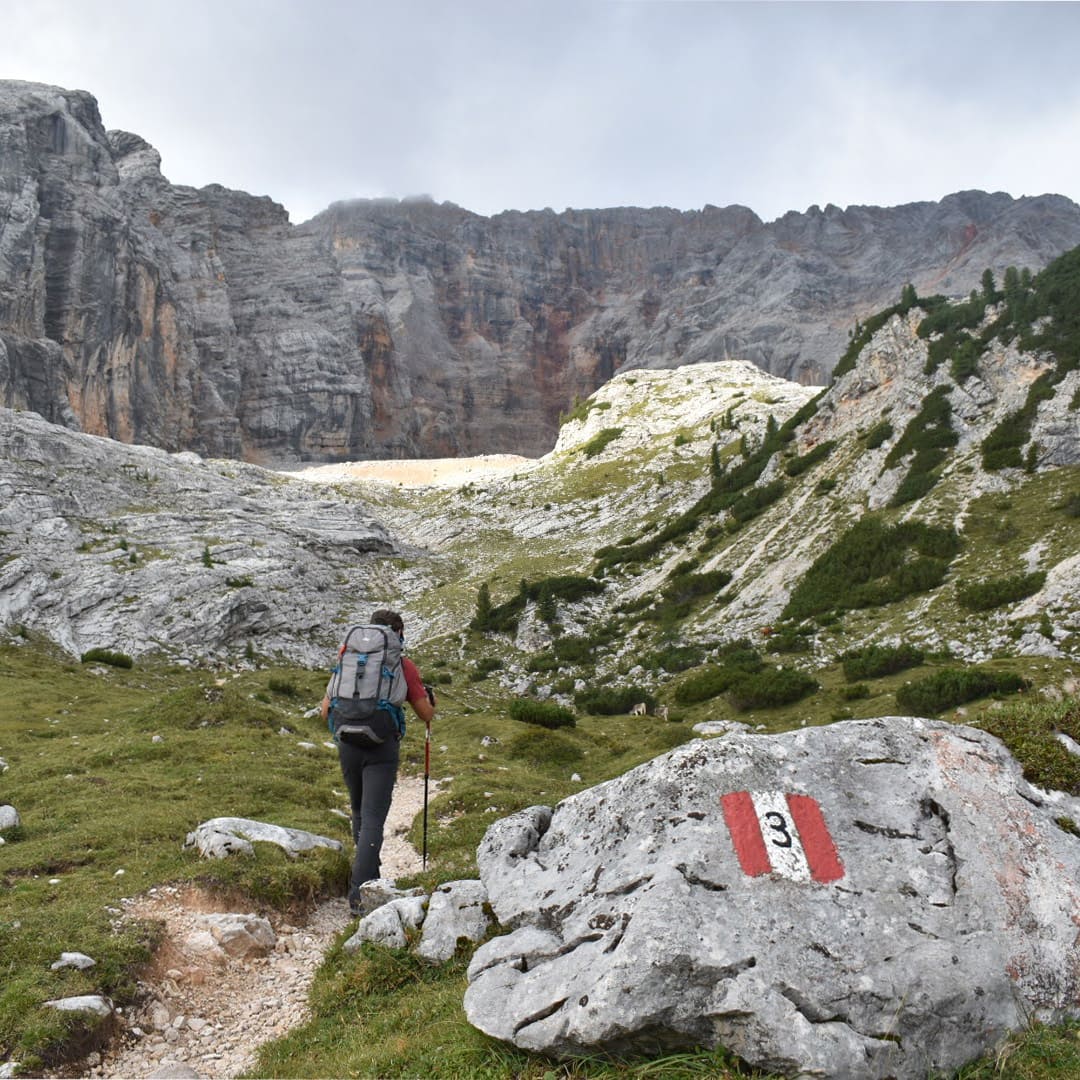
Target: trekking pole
x=427, y=775
x=427, y=766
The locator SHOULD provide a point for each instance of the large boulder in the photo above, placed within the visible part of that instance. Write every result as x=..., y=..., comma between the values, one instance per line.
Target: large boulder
x=879, y=898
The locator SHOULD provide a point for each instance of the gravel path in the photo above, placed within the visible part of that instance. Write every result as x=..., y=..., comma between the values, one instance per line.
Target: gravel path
x=206, y=1013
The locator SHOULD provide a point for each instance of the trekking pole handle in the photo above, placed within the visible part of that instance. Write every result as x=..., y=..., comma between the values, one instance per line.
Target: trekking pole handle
x=430, y=694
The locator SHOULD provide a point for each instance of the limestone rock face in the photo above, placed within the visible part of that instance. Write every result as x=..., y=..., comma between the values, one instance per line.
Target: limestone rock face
x=129, y=548
x=880, y=898
x=204, y=320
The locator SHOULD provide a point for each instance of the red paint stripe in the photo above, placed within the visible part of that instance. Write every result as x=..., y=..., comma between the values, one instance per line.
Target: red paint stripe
x=742, y=823
x=821, y=856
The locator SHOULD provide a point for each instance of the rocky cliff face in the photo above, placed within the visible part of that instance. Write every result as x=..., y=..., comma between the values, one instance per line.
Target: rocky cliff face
x=202, y=319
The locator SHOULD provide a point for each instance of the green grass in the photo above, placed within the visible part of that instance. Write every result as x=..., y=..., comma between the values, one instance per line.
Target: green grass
x=385, y=1013
x=76, y=783
x=96, y=795
x=394, y=1018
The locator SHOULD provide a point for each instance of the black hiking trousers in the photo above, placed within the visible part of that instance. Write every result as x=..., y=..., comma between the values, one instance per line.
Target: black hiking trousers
x=369, y=775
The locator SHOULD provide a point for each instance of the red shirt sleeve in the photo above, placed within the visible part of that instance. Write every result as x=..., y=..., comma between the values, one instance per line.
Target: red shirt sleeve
x=413, y=681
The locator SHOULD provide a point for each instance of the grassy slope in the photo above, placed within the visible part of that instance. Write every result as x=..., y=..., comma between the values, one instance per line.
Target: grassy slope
x=78, y=780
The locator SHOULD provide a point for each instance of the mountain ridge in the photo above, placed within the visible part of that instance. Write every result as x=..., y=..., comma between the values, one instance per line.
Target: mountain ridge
x=203, y=320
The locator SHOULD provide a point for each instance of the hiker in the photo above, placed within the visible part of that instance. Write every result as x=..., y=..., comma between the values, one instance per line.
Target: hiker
x=369, y=766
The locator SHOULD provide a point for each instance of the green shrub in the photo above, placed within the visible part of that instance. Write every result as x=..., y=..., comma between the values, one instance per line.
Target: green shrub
x=950, y=687
x=986, y=595
x=541, y=748
x=686, y=586
x=930, y=435
x=752, y=502
x=613, y=700
x=285, y=687
x=106, y=656
x=600, y=440
x=797, y=466
x=503, y=618
x=789, y=641
x=726, y=491
x=545, y=714
x=870, y=565
x=704, y=685
x=674, y=658
x=1071, y=505
x=580, y=409
x=1029, y=729
x=737, y=659
x=878, y=435
x=876, y=661
x=855, y=692
x=484, y=667
x=239, y=582
x=769, y=688
x=545, y=661
x=574, y=649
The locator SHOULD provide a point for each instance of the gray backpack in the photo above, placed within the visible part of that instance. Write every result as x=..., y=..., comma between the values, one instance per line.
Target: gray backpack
x=367, y=688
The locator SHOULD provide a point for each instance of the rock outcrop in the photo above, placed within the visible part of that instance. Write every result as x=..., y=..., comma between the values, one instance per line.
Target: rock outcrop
x=221, y=837
x=880, y=898
x=204, y=320
x=129, y=548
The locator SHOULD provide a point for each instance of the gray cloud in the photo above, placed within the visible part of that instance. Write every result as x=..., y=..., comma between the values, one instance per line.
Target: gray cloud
x=526, y=105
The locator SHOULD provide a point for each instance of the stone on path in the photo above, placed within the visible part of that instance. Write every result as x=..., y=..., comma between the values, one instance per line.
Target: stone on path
x=173, y=1070
x=879, y=898
x=224, y=836
x=241, y=936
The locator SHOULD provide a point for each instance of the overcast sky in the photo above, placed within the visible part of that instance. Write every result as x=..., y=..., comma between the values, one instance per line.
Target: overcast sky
x=518, y=105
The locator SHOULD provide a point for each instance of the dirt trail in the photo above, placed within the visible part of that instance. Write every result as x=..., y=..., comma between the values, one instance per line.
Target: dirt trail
x=205, y=1014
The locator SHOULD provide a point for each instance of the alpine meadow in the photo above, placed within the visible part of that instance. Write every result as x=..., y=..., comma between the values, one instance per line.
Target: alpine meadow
x=757, y=750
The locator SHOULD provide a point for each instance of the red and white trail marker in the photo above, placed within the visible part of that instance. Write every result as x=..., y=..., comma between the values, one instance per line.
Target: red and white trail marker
x=785, y=834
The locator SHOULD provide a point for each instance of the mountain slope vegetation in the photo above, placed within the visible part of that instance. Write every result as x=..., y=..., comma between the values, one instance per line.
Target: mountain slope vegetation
x=710, y=540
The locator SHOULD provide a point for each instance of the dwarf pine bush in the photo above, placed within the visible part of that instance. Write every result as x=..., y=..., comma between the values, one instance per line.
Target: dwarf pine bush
x=769, y=688
x=875, y=661
x=106, y=656
x=614, y=700
x=950, y=687
x=546, y=714
x=871, y=565
x=987, y=595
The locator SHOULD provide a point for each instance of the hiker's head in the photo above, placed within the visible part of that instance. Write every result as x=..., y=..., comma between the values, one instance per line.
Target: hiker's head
x=382, y=617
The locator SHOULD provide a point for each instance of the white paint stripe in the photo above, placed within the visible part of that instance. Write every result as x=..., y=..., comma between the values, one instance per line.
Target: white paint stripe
x=781, y=837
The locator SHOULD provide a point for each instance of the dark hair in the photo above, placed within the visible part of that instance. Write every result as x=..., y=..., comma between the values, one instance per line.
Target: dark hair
x=383, y=617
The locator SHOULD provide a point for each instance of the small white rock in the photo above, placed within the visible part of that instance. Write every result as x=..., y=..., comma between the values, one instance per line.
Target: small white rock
x=73, y=959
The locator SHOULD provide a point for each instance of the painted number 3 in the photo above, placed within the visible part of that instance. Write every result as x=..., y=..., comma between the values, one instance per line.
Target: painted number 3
x=782, y=833
x=778, y=824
